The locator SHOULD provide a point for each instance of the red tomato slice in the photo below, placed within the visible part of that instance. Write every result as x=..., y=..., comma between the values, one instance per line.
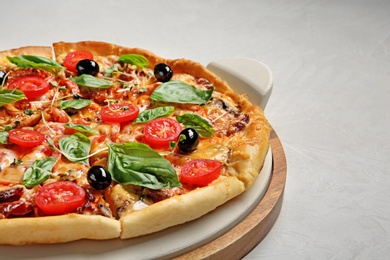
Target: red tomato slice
x=25, y=137
x=119, y=113
x=200, y=172
x=74, y=57
x=159, y=132
x=60, y=197
x=31, y=86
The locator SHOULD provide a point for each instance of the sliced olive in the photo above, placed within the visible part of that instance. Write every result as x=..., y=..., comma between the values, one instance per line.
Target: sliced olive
x=188, y=140
x=87, y=67
x=3, y=77
x=163, y=72
x=98, y=177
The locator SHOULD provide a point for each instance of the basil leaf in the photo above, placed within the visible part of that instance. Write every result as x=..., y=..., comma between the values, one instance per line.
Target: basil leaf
x=87, y=80
x=108, y=72
x=8, y=96
x=82, y=128
x=31, y=61
x=150, y=114
x=38, y=172
x=3, y=137
x=74, y=103
x=134, y=59
x=138, y=164
x=180, y=92
x=200, y=124
x=75, y=147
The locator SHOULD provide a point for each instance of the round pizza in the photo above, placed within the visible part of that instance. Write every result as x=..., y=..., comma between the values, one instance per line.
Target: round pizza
x=100, y=141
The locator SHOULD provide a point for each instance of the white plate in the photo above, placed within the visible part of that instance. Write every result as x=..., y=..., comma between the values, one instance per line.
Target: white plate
x=256, y=78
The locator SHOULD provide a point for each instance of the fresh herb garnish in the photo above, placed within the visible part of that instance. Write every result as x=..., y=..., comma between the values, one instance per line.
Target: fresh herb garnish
x=195, y=121
x=8, y=96
x=76, y=148
x=74, y=103
x=138, y=164
x=134, y=59
x=150, y=114
x=180, y=92
x=92, y=82
x=31, y=61
x=38, y=172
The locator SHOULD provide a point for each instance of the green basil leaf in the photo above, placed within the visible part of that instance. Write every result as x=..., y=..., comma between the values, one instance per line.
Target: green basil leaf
x=180, y=92
x=8, y=96
x=87, y=80
x=82, y=128
x=74, y=103
x=3, y=137
x=76, y=148
x=200, y=124
x=31, y=61
x=138, y=164
x=150, y=114
x=134, y=59
x=38, y=172
x=108, y=72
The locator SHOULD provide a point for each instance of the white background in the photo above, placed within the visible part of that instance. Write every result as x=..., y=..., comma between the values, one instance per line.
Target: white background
x=330, y=103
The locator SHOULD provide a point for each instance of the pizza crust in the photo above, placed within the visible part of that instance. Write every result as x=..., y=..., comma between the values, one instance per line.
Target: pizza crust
x=180, y=209
x=57, y=229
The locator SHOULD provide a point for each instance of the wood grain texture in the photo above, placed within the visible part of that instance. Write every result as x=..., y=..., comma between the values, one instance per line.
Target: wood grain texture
x=241, y=239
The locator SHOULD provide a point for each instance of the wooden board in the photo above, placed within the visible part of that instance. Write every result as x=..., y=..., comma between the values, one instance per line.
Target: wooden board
x=241, y=239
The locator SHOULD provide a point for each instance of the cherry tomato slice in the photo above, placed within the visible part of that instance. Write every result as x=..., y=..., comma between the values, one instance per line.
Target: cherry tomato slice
x=25, y=137
x=200, y=172
x=119, y=113
x=31, y=86
x=60, y=197
x=159, y=132
x=74, y=57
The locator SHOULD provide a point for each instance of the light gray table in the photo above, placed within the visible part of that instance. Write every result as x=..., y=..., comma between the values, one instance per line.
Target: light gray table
x=330, y=104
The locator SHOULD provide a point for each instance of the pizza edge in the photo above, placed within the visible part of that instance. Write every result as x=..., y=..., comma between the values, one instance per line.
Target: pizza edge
x=245, y=162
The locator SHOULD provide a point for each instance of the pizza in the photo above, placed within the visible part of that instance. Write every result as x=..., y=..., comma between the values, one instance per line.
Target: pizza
x=100, y=141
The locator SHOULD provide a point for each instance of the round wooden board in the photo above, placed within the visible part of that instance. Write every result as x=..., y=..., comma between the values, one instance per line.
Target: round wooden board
x=241, y=239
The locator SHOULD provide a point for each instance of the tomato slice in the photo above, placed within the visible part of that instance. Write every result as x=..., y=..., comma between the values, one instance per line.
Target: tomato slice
x=31, y=86
x=25, y=137
x=159, y=132
x=74, y=57
x=60, y=197
x=119, y=113
x=200, y=172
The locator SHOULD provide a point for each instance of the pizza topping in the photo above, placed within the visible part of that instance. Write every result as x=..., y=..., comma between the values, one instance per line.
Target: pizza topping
x=119, y=113
x=11, y=194
x=8, y=96
x=138, y=164
x=74, y=57
x=99, y=177
x=15, y=208
x=188, y=140
x=195, y=121
x=31, y=86
x=39, y=172
x=200, y=172
x=163, y=72
x=90, y=81
x=134, y=59
x=159, y=132
x=25, y=137
x=3, y=77
x=87, y=66
x=31, y=61
x=75, y=148
x=150, y=114
x=60, y=197
x=180, y=92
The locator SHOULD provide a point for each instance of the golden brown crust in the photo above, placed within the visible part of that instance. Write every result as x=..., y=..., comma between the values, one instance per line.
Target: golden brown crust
x=180, y=209
x=57, y=229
